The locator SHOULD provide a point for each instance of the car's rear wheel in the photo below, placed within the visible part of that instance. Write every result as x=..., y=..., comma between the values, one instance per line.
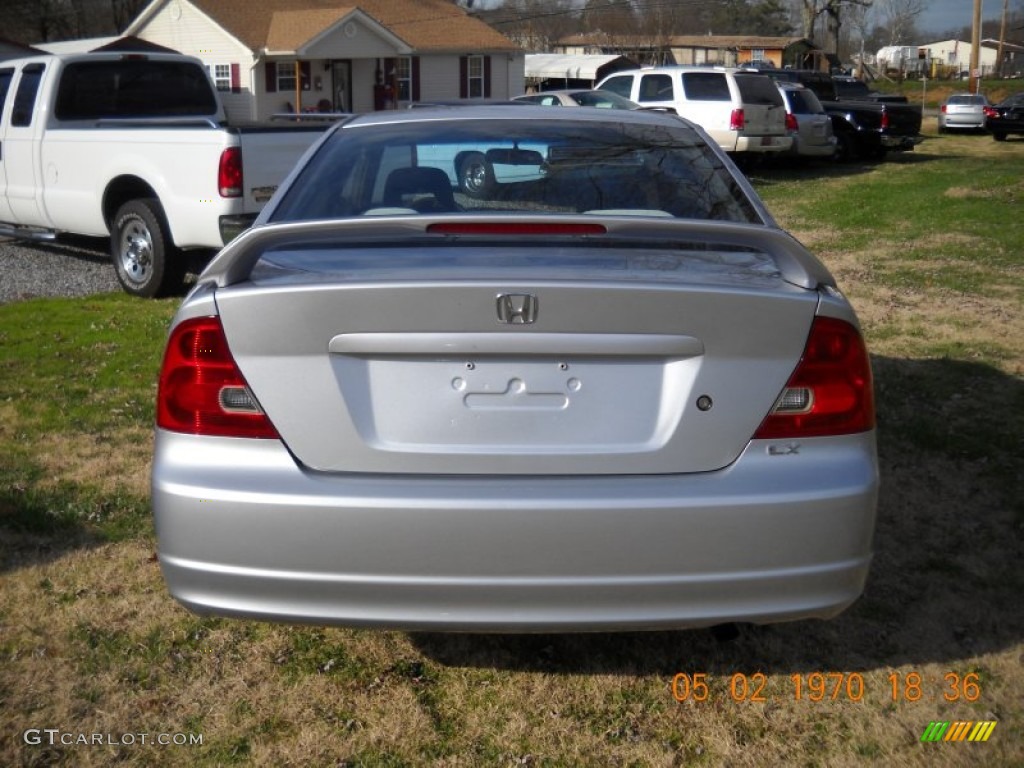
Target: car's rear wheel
x=998, y=136
x=144, y=257
x=476, y=177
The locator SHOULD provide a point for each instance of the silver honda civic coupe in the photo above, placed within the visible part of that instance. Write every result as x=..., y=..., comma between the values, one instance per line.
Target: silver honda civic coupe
x=513, y=370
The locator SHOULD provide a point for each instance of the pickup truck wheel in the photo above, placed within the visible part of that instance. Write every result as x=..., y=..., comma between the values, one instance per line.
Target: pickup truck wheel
x=999, y=136
x=143, y=255
x=844, y=149
x=476, y=177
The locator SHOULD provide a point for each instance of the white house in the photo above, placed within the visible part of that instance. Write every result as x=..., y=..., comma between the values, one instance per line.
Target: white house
x=955, y=55
x=273, y=56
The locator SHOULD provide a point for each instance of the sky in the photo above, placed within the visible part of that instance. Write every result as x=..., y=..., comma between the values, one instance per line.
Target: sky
x=944, y=15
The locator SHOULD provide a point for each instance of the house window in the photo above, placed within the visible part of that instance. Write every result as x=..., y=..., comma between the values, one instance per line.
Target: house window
x=221, y=74
x=757, y=54
x=403, y=78
x=475, y=77
x=286, y=76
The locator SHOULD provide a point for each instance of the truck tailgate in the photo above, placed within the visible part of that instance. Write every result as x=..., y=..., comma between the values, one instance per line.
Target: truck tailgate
x=269, y=152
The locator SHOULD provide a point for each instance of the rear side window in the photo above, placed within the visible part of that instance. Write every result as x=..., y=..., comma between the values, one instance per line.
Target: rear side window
x=90, y=90
x=758, y=89
x=621, y=85
x=25, y=98
x=706, y=86
x=656, y=88
x=6, y=75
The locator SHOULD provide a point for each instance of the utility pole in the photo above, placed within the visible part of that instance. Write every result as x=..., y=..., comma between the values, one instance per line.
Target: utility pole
x=975, y=81
x=1002, y=37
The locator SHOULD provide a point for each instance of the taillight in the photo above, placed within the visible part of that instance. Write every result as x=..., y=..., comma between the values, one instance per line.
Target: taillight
x=201, y=390
x=830, y=392
x=737, y=120
x=990, y=111
x=885, y=119
x=791, y=124
x=943, y=108
x=229, y=174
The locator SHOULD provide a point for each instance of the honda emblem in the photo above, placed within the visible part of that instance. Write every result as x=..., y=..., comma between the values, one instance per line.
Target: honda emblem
x=517, y=308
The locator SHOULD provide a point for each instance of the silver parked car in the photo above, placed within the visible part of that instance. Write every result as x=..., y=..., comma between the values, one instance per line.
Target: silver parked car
x=604, y=391
x=579, y=97
x=807, y=122
x=963, y=111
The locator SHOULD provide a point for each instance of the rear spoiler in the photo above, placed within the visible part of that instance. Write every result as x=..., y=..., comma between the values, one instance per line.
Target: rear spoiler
x=796, y=264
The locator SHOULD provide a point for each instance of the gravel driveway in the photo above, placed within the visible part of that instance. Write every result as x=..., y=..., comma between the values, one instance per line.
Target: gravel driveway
x=67, y=267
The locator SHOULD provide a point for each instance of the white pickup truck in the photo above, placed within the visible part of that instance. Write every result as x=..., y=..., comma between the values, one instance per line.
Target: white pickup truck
x=135, y=147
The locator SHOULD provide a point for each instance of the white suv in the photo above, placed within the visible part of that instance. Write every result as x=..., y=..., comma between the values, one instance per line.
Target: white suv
x=740, y=109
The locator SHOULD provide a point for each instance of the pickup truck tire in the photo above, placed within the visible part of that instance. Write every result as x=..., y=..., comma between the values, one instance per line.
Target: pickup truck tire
x=844, y=148
x=476, y=177
x=998, y=136
x=143, y=254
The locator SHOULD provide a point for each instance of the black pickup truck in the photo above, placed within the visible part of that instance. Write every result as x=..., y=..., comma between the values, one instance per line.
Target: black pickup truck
x=865, y=125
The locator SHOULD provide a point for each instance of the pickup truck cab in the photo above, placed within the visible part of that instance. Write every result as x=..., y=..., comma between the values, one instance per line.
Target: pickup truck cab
x=134, y=147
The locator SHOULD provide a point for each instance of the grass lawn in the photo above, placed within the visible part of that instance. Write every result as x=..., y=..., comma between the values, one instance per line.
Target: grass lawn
x=97, y=663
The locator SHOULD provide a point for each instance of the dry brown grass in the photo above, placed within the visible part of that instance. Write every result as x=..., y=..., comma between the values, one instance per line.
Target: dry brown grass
x=90, y=642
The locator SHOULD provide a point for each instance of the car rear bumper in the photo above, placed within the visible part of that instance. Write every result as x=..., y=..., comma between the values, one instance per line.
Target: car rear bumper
x=820, y=148
x=901, y=143
x=762, y=144
x=964, y=121
x=783, y=533
x=234, y=225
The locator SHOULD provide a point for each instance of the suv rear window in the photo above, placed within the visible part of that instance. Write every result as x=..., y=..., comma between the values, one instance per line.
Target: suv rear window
x=706, y=86
x=804, y=103
x=758, y=89
x=91, y=90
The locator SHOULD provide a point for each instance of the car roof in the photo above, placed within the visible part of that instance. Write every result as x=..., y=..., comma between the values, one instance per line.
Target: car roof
x=522, y=111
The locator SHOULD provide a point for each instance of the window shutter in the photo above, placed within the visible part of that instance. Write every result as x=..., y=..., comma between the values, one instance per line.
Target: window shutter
x=415, y=78
x=270, y=76
x=487, y=77
x=236, y=79
x=463, y=77
x=304, y=74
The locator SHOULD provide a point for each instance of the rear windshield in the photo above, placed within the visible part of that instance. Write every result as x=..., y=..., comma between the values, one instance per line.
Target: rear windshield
x=552, y=166
x=968, y=99
x=134, y=88
x=758, y=89
x=804, y=103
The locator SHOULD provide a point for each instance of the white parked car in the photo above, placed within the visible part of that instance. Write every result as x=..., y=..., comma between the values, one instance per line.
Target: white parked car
x=742, y=110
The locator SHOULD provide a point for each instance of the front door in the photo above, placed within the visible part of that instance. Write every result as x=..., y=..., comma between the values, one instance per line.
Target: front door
x=341, y=77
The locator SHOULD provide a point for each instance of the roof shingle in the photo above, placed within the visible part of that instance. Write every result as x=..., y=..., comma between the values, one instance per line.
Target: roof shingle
x=426, y=25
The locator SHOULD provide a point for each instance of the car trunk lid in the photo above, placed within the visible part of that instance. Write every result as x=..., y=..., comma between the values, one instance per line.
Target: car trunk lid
x=500, y=358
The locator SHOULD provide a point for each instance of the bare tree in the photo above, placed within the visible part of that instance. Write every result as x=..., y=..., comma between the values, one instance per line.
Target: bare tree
x=124, y=12
x=834, y=12
x=40, y=21
x=899, y=17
